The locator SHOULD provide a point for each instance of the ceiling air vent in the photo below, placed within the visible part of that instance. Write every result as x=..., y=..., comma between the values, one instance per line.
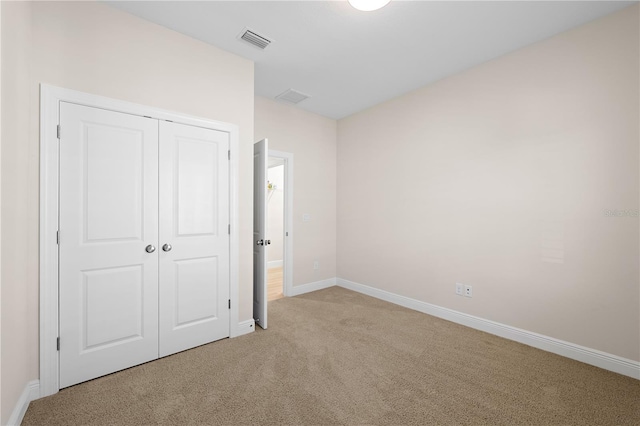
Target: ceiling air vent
x=255, y=39
x=292, y=96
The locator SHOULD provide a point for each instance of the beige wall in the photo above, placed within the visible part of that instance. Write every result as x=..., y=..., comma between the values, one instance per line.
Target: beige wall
x=275, y=214
x=18, y=362
x=0, y=219
x=312, y=140
x=96, y=49
x=499, y=177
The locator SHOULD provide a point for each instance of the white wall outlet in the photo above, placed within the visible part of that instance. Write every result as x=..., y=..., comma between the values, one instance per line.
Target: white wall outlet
x=468, y=291
x=306, y=217
x=316, y=265
x=459, y=289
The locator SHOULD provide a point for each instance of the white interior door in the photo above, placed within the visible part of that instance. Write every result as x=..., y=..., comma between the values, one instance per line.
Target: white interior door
x=108, y=283
x=260, y=160
x=194, y=236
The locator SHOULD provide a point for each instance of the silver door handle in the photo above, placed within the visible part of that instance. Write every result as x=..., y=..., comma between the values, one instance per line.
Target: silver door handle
x=260, y=242
x=150, y=248
x=167, y=247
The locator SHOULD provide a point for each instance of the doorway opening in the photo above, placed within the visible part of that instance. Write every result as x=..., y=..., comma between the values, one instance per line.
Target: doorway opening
x=262, y=190
x=279, y=224
x=275, y=229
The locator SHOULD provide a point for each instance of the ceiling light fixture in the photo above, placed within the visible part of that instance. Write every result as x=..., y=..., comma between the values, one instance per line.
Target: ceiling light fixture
x=368, y=5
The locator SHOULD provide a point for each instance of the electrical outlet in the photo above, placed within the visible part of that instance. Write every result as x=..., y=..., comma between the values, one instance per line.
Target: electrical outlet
x=468, y=291
x=306, y=217
x=316, y=265
x=459, y=289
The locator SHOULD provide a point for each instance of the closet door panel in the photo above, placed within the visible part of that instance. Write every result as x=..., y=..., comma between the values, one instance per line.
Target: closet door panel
x=194, y=239
x=108, y=284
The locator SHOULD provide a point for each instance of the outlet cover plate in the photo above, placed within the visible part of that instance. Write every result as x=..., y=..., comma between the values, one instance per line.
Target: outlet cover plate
x=459, y=289
x=468, y=291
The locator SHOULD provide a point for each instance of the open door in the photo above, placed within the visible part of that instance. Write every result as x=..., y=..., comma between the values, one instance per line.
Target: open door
x=260, y=160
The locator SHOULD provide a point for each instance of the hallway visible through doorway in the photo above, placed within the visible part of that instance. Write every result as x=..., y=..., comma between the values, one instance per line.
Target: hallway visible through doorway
x=275, y=228
x=274, y=284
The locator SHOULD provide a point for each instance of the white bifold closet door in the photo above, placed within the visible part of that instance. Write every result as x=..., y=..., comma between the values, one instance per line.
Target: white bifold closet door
x=144, y=248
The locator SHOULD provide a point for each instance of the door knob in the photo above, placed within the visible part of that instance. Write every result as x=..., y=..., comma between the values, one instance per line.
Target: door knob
x=260, y=242
x=150, y=248
x=167, y=247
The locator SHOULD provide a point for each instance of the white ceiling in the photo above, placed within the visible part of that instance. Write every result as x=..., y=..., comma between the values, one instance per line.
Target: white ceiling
x=349, y=60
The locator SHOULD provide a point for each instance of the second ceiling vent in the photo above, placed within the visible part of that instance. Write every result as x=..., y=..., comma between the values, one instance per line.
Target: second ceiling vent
x=292, y=96
x=255, y=39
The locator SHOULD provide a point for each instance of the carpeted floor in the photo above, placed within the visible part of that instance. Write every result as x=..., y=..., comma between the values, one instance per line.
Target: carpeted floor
x=339, y=357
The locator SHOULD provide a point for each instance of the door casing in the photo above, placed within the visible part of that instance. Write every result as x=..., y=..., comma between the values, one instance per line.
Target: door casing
x=50, y=98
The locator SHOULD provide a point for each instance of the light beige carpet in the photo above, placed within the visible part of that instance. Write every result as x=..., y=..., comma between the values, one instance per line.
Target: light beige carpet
x=338, y=357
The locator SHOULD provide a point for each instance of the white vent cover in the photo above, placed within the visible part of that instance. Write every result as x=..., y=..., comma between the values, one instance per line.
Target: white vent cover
x=255, y=39
x=292, y=96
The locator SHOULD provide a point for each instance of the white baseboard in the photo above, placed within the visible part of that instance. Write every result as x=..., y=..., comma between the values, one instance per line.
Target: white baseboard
x=314, y=286
x=570, y=350
x=275, y=264
x=31, y=391
x=245, y=327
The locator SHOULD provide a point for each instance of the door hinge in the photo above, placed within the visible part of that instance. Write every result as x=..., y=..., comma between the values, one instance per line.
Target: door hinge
x=58, y=237
x=229, y=303
x=58, y=344
x=229, y=229
x=229, y=154
x=58, y=131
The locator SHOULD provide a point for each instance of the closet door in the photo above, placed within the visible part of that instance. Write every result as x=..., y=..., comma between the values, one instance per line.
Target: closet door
x=108, y=284
x=194, y=239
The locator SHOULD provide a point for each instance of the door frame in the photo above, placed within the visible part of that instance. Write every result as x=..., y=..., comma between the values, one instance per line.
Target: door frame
x=50, y=98
x=287, y=260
